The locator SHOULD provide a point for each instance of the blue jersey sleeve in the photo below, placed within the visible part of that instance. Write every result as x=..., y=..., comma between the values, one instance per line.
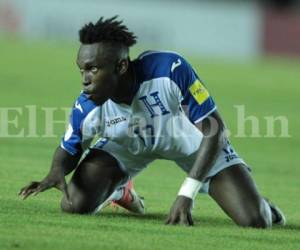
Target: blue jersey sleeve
x=73, y=139
x=195, y=95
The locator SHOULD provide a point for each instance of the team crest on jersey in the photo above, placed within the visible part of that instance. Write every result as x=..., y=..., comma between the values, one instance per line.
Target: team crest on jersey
x=199, y=92
x=156, y=103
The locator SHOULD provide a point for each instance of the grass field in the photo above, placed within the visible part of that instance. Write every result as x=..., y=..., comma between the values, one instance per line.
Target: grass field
x=45, y=75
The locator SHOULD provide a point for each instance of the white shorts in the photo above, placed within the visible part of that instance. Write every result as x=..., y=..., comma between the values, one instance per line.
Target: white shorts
x=133, y=164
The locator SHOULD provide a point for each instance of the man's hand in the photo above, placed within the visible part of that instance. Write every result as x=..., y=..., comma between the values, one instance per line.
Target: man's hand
x=56, y=180
x=62, y=164
x=181, y=212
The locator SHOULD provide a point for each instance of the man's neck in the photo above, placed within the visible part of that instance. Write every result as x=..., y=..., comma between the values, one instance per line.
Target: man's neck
x=124, y=91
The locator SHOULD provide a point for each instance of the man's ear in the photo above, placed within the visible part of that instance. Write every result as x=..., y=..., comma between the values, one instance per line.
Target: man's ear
x=122, y=66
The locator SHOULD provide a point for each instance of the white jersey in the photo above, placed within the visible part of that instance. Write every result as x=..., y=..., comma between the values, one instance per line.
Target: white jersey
x=168, y=99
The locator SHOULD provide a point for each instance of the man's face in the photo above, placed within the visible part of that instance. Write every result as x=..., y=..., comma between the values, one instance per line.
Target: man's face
x=98, y=70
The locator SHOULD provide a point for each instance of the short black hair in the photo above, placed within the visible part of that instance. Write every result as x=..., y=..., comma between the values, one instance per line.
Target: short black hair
x=107, y=30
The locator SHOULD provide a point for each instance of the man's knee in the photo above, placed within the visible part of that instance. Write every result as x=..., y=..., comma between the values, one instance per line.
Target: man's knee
x=65, y=206
x=257, y=217
x=76, y=206
x=256, y=221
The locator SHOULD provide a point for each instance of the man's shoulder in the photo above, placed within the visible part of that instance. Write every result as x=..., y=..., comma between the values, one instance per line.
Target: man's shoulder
x=158, y=55
x=155, y=64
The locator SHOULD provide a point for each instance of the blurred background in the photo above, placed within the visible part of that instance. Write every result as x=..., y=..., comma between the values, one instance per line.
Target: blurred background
x=227, y=29
x=247, y=52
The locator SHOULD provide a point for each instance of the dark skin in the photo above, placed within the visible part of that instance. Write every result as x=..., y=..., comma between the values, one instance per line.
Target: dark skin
x=233, y=188
x=213, y=131
x=62, y=164
x=107, y=74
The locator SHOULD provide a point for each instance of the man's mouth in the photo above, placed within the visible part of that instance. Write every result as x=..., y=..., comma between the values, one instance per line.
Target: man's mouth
x=89, y=89
x=87, y=92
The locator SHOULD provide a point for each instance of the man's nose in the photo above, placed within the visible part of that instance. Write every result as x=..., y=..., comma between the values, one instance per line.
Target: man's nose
x=86, y=78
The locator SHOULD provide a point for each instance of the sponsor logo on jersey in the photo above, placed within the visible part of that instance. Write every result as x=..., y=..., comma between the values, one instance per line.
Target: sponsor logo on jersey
x=78, y=106
x=175, y=65
x=115, y=121
x=199, y=92
x=69, y=133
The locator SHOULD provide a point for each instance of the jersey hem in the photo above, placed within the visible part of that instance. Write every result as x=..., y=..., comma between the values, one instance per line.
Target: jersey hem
x=68, y=151
x=206, y=115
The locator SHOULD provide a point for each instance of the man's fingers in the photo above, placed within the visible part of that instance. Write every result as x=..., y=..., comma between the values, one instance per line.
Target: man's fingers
x=27, y=193
x=172, y=220
x=168, y=220
x=180, y=218
x=28, y=190
x=32, y=185
x=44, y=185
x=181, y=212
x=21, y=191
x=39, y=189
x=184, y=219
x=35, y=188
x=190, y=219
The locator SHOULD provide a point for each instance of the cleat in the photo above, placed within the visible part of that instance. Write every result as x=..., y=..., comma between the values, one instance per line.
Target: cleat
x=130, y=200
x=279, y=218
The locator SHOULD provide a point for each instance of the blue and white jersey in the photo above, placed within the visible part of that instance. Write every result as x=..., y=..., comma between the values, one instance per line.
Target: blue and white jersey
x=154, y=125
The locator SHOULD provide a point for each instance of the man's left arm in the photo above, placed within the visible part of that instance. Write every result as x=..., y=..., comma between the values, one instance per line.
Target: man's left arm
x=212, y=128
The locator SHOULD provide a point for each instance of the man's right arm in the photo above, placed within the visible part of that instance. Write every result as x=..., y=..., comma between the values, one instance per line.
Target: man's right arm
x=68, y=154
x=63, y=163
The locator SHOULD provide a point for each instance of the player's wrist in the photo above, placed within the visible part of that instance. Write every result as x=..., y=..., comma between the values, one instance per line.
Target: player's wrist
x=190, y=188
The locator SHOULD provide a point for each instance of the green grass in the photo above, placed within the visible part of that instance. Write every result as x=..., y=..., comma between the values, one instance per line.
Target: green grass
x=45, y=75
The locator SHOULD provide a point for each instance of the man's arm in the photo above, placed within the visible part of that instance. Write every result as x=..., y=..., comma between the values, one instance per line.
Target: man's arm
x=62, y=164
x=67, y=155
x=212, y=128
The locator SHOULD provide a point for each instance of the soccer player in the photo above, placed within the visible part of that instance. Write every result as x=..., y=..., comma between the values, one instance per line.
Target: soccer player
x=153, y=107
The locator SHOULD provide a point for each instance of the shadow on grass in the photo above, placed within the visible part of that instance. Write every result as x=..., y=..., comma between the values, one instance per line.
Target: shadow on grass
x=198, y=220
x=161, y=218
x=288, y=227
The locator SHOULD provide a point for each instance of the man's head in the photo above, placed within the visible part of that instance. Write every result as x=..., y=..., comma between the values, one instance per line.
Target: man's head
x=103, y=57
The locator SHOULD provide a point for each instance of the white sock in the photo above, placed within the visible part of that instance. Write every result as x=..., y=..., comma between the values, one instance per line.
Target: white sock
x=268, y=212
x=115, y=196
x=118, y=194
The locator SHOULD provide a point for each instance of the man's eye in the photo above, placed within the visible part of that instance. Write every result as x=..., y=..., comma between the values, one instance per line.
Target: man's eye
x=81, y=71
x=94, y=69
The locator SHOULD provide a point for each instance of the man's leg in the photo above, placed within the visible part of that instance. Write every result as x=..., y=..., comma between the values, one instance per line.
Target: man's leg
x=236, y=193
x=94, y=180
